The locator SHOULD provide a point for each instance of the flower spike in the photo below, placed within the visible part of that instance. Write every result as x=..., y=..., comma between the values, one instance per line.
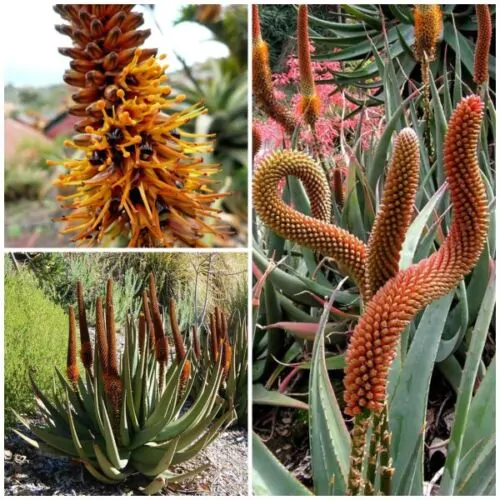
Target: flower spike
x=86, y=354
x=72, y=366
x=309, y=100
x=482, y=54
x=138, y=176
x=262, y=84
x=313, y=232
x=394, y=216
x=373, y=343
x=428, y=26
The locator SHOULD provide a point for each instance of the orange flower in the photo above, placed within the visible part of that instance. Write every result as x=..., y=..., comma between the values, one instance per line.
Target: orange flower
x=141, y=177
x=482, y=54
x=313, y=232
x=428, y=26
x=72, y=365
x=394, y=216
x=309, y=100
x=373, y=343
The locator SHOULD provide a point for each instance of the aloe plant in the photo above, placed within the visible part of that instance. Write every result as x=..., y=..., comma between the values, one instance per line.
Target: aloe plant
x=385, y=450
x=129, y=418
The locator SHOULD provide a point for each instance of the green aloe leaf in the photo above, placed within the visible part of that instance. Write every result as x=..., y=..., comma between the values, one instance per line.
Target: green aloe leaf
x=408, y=393
x=465, y=391
x=329, y=439
x=263, y=396
x=269, y=477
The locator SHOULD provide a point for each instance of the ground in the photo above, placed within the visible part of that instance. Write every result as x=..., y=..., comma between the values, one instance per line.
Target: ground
x=28, y=472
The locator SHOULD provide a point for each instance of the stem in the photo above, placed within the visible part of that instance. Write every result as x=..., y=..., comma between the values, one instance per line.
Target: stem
x=359, y=434
x=373, y=455
x=386, y=470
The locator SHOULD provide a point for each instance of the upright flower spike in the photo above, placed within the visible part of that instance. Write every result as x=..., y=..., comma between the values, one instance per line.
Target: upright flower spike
x=428, y=26
x=313, y=232
x=374, y=340
x=161, y=342
x=214, y=341
x=141, y=177
x=309, y=99
x=481, y=56
x=394, y=216
x=111, y=330
x=262, y=84
x=180, y=348
x=86, y=354
x=72, y=365
x=101, y=337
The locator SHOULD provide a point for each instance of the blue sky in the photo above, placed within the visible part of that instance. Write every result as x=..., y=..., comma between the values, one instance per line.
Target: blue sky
x=32, y=58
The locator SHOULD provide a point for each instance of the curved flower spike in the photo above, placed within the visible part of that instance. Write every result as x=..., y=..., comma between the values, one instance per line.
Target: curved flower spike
x=313, y=232
x=373, y=343
x=262, y=84
x=309, y=100
x=394, y=216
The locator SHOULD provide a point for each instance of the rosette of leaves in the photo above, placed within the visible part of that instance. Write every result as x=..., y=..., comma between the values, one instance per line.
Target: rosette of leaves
x=129, y=418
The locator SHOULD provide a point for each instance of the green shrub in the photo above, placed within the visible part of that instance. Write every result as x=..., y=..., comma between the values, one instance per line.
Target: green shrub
x=35, y=331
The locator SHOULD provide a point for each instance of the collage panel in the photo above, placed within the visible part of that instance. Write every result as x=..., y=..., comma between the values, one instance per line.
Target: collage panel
x=125, y=373
x=373, y=199
x=126, y=126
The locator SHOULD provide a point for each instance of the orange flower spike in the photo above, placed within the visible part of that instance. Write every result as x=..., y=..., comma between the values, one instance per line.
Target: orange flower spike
x=338, y=187
x=180, y=348
x=394, y=215
x=309, y=100
x=72, y=365
x=228, y=352
x=111, y=330
x=375, y=338
x=481, y=56
x=214, y=344
x=129, y=142
x=428, y=26
x=313, y=232
x=100, y=329
x=86, y=354
x=161, y=342
x=262, y=84
x=256, y=140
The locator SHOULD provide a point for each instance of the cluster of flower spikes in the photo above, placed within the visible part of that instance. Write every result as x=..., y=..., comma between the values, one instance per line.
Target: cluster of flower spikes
x=392, y=297
x=219, y=340
x=141, y=177
x=150, y=333
x=428, y=24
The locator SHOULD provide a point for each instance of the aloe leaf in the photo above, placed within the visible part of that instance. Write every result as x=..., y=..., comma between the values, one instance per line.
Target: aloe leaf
x=269, y=477
x=416, y=228
x=408, y=400
x=263, y=396
x=329, y=440
x=177, y=478
x=100, y=477
x=332, y=363
x=106, y=466
x=465, y=391
x=164, y=463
